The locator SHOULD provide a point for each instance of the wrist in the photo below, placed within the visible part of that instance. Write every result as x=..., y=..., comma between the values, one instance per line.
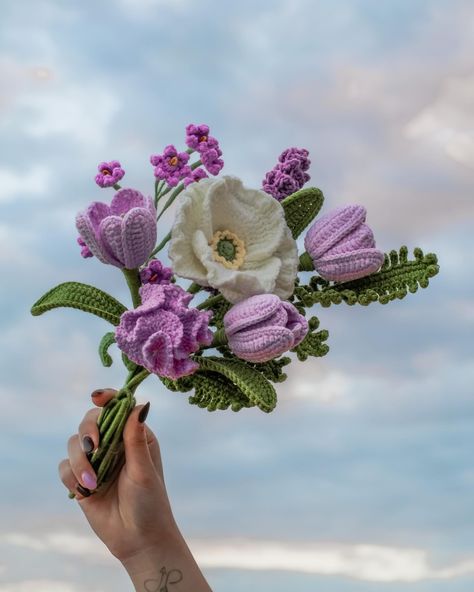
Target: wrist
x=169, y=562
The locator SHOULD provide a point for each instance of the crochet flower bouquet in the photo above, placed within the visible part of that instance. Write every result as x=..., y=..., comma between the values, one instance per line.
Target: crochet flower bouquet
x=224, y=335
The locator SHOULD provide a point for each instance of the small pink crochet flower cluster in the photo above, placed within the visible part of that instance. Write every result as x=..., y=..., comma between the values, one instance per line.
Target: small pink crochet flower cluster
x=163, y=332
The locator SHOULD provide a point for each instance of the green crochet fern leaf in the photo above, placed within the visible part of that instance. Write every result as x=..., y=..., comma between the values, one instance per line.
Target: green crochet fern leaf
x=104, y=345
x=214, y=391
x=313, y=344
x=252, y=384
x=83, y=297
x=397, y=276
x=301, y=208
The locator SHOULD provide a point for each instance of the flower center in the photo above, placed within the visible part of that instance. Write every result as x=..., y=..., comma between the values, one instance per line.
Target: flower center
x=203, y=139
x=106, y=172
x=173, y=161
x=228, y=249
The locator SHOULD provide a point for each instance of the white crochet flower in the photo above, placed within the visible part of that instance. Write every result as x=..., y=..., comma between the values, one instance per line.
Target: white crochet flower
x=233, y=239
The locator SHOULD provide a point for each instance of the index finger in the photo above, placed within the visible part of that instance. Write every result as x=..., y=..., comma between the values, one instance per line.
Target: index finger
x=101, y=397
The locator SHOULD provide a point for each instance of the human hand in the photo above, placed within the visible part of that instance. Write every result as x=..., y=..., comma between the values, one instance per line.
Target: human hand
x=132, y=513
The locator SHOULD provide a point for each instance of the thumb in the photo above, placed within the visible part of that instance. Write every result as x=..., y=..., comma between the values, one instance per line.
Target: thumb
x=139, y=464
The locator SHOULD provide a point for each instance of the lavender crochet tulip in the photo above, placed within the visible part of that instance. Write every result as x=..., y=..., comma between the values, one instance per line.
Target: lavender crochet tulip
x=342, y=246
x=263, y=327
x=122, y=234
x=162, y=332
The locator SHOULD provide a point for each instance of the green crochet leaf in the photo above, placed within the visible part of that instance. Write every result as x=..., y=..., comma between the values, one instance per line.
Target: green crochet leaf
x=251, y=383
x=313, y=344
x=301, y=208
x=83, y=297
x=104, y=345
x=214, y=391
x=396, y=278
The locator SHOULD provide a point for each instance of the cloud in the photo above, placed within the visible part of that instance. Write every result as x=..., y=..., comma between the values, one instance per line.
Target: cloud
x=65, y=543
x=45, y=585
x=448, y=122
x=80, y=114
x=34, y=181
x=371, y=563
x=367, y=562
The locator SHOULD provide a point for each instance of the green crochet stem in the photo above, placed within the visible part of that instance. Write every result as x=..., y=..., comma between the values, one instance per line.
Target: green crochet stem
x=176, y=192
x=306, y=262
x=160, y=246
x=133, y=280
x=111, y=423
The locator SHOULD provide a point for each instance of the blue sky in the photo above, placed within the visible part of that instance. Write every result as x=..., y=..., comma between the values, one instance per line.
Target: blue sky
x=362, y=478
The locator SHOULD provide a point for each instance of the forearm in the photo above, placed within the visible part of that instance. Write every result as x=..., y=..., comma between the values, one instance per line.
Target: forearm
x=169, y=568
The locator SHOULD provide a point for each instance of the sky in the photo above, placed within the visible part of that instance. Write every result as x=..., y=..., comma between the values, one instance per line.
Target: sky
x=362, y=477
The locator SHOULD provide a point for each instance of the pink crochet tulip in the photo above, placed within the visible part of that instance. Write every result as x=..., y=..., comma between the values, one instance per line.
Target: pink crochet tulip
x=163, y=332
x=122, y=234
x=342, y=246
x=263, y=327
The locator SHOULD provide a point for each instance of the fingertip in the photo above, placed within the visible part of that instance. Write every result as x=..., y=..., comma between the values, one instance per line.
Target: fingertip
x=100, y=397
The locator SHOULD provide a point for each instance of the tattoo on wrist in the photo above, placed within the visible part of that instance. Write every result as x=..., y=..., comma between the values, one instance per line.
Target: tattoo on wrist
x=167, y=578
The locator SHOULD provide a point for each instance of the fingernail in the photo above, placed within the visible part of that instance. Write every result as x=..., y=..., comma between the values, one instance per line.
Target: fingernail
x=82, y=490
x=89, y=480
x=144, y=412
x=87, y=444
x=97, y=392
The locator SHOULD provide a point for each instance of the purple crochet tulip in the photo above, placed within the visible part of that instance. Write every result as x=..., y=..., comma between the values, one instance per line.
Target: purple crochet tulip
x=263, y=327
x=163, y=332
x=342, y=246
x=122, y=234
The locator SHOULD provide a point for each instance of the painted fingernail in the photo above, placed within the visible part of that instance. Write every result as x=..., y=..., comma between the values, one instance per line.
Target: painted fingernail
x=82, y=490
x=89, y=480
x=144, y=412
x=87, y=444
x=97, y=392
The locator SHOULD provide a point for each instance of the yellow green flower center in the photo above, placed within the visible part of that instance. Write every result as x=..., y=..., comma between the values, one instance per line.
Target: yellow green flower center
x=228, y=249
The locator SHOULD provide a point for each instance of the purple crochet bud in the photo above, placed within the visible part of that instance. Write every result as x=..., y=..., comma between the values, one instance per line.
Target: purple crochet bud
x=171, y=166
x=110, y=173
x=195, y=176
x=288, y=175
x=210, y=157
x=85, y=251
x=263, y=327
x=163, y=332
x=342, y=246
x=156, y=273
x=122, y=234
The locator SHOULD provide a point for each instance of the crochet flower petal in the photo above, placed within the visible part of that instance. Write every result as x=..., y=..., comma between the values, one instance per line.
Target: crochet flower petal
x=349, y=266
x=86, y=228
x=296, y=323
x=236, y=285
x=252, y=215
x=287, y=253
x=139, y=237
x=158, y=354
x=361, y=237
x=110, y=232
x=332, y=227
x=126, y=199
x=250, y=311
x=195, y=331
x=261, y=345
